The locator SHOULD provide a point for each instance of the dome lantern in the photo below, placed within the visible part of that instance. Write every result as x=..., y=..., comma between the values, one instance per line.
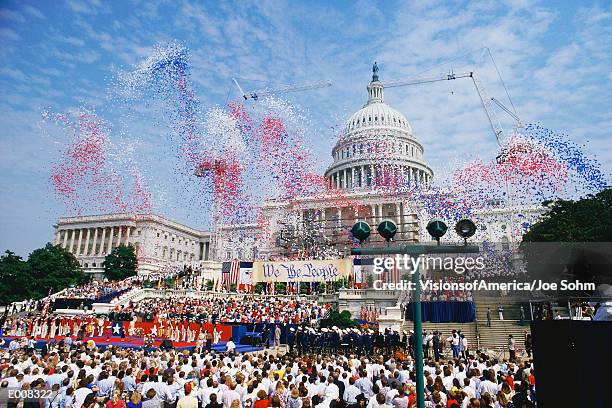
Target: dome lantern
x=375, y=87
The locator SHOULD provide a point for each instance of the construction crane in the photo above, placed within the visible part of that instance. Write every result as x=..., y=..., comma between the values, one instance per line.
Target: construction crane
x=487, y=102
x=255, y=95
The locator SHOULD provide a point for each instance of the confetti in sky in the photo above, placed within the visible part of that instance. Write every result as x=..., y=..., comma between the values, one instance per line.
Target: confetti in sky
x=230, y=159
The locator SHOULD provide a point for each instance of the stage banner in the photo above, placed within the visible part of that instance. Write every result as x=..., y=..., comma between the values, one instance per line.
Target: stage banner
x=301, y=271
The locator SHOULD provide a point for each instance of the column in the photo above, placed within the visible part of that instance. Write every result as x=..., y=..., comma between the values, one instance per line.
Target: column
x=371, y=174
x=57, y=237
x=362, y=171
x=72, y=240
x=323, y=221
x=345, y=178
x=373, y=216
x=127, y=235
x=110, y=239
x=78, y=249
x=375, y=174
x=86, y=251
x=119, y=236
x=102, y=242
x=353, y=172
x=397, y=215
x=95, y=241
x=65, y=239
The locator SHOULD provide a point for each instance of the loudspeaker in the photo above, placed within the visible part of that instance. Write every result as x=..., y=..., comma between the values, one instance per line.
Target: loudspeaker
x=166, y=345
x=571, y=359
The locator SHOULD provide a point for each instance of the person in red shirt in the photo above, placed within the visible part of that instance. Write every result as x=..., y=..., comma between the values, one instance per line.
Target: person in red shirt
x=262, y=400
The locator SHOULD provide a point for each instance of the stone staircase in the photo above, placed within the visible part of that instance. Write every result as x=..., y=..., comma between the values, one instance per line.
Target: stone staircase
x=496, y=336
x=494, y=339
x=468, y=329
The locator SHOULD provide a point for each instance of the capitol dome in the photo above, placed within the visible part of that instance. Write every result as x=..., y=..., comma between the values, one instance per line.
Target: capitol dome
x=377, y=147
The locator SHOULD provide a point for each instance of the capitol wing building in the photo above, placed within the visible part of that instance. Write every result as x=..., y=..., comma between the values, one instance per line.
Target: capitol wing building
x=376, y=151
x=158, y=241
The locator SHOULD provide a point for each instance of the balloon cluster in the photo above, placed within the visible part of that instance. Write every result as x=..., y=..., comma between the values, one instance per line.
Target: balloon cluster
x=84, y=178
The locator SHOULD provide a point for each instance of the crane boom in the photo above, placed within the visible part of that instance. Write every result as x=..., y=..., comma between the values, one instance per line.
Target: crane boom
x=485, y=100
x=255, y=95
x=418, y=81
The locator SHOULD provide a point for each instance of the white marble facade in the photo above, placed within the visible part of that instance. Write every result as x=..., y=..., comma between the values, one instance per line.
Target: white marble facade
x=158, y=241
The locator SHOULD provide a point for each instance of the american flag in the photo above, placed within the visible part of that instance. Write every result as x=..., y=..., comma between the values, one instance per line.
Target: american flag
x=229, y=273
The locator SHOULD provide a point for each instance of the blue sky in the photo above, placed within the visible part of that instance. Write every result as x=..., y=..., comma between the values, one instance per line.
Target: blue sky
x=554, y=57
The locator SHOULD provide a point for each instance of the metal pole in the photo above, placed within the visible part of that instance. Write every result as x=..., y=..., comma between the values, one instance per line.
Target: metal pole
x=418, y=339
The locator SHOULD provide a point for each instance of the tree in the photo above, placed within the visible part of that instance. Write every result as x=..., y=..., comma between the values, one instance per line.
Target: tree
x=342, y=320
x=121, y=263
x=209, y=284
x=572, y=240
x=586, y=220
x=53, y=268
x=14, y=278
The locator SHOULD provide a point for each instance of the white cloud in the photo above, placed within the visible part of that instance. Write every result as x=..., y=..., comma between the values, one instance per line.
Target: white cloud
x=33, y=11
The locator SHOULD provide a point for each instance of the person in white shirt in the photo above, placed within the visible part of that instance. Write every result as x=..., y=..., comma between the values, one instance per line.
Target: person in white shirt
x=331, y=392
x=468, y=389
x=80, y=394
x=230, y=396
x=351, y=392
x=488, y=386
x=188, y=401
x=364, y=384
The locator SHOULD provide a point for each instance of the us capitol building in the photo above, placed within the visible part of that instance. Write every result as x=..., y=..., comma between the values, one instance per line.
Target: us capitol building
x=376, y=149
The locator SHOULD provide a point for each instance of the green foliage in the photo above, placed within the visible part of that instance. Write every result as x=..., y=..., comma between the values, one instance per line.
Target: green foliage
x=53, y=268
x=280, y=287
x=572, y=240
x=14, y=278
x=586, y=220
x=121, y=263
x=233, y=287
x=260, y=287
x=209, y=284
x=343, y=320
x=370, y=281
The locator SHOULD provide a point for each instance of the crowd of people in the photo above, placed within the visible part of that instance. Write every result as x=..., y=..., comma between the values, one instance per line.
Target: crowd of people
x=229, y=309
x=82, y=375
x=95, y=289
x=172, y=318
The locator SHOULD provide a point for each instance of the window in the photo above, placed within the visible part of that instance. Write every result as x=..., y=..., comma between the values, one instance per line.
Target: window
x=86, y=265
x=93, y=265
